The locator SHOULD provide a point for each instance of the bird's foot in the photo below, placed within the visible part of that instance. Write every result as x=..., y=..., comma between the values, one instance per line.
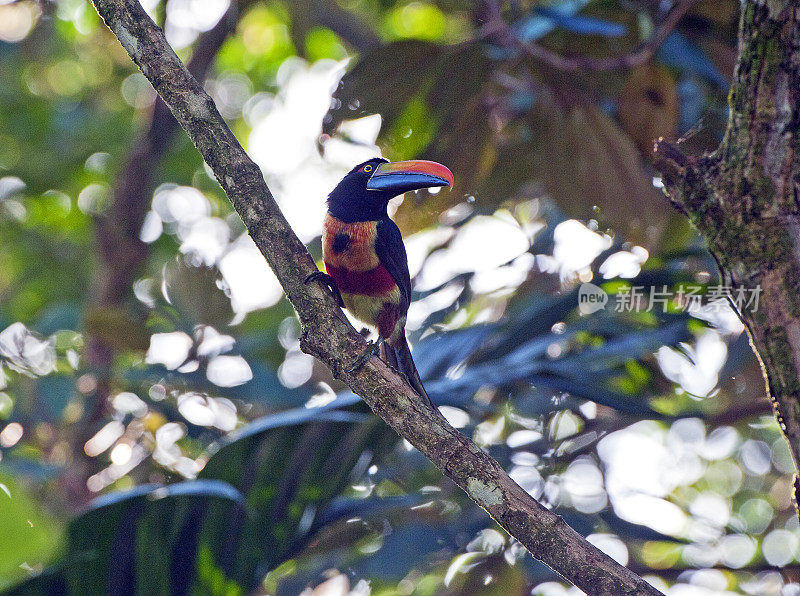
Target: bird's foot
x=372, y=347
x=329, y=283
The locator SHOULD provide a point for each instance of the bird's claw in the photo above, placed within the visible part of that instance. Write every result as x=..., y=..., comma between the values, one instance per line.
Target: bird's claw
x=369, y=352
x=329, y=283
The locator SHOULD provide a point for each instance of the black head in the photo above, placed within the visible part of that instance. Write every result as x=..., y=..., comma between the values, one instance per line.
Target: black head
x=364, y=192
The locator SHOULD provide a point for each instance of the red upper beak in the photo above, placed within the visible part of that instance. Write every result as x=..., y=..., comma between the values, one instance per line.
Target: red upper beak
x=402, y=176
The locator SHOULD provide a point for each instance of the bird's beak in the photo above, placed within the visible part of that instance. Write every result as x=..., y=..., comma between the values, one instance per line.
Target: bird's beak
x=402, y=176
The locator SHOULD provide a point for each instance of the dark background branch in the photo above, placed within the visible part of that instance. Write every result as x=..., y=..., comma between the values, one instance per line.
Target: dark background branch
x=121, y=253
x=497, y=28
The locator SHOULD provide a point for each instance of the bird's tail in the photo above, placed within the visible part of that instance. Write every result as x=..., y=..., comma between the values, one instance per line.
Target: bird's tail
x=398, y=355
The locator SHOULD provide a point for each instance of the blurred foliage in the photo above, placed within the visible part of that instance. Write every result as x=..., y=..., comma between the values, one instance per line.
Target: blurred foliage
x=27, y=532
x=225, y=461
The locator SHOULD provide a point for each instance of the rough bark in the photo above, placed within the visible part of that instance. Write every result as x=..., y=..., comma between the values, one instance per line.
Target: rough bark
x=328, y=335
x=745, y=197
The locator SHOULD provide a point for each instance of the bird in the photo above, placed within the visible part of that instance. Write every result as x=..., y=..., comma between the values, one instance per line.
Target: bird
x=366, y=267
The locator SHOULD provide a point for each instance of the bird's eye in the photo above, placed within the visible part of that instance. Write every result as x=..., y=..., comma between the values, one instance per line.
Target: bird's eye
x=367, y=168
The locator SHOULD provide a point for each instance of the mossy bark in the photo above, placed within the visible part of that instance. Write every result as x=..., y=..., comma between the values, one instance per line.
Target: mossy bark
x=745, y=197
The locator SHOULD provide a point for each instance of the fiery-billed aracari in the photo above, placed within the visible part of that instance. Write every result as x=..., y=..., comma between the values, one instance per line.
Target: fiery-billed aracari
x=364, y=255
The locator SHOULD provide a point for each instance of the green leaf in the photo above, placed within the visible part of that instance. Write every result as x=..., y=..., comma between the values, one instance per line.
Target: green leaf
x=29, y=537
x=144, y=541
x=288, y=466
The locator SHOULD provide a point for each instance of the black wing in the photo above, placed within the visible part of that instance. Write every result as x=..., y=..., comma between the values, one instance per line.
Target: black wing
x=392, y=255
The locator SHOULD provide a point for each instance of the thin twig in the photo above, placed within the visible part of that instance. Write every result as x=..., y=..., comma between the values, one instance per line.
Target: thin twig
x=641, y=55
x=329, y=336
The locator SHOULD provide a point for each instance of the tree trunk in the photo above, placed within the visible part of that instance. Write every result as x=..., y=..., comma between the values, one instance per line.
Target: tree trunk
x=745, y=198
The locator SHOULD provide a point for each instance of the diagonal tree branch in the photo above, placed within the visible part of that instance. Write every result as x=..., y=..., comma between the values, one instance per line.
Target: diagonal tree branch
x=328, y=336
x=346, y=25
x=745, y=198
